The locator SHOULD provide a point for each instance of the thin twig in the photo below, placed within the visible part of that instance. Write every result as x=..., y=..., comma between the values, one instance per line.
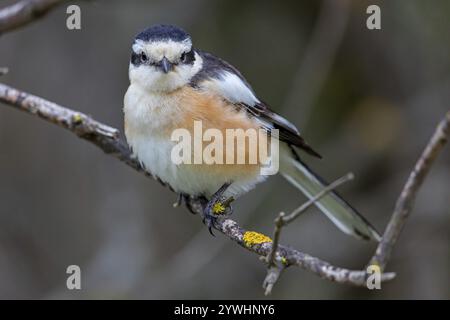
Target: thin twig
x=276, y=239
x=288, y=219
x=406, y=199
x=293, y=257
x=103, y=136
x=24, y=12
x=274, y=270
x=395, y=225
x=273, y=274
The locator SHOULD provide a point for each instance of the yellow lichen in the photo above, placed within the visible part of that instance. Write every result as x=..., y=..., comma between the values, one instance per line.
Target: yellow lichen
x=375, y=263
x=218, y=208
x=251, y=238
x=76, y=118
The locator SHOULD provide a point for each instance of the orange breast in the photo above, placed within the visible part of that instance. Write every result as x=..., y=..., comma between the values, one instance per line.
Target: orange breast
x=216, y=113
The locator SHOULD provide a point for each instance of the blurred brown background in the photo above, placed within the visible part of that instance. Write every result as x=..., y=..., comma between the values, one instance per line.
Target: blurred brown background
x=366, y=100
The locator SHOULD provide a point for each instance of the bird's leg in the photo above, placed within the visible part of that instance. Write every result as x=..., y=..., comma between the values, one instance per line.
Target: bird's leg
x=186, y=199
x=179, y=201
x=216, y=206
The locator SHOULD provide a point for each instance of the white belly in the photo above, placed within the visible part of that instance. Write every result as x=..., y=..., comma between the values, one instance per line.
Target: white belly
x=155, y=155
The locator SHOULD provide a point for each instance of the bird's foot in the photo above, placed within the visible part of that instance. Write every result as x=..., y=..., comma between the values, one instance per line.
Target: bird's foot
x=217, y=206
x=214, y=209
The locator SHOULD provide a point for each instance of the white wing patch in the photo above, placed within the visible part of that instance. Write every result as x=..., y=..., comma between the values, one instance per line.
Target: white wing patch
x=232, y=88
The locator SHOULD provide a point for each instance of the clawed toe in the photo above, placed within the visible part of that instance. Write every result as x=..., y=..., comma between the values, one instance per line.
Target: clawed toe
x=209, y=222
x=209, y=217
x=214, y=209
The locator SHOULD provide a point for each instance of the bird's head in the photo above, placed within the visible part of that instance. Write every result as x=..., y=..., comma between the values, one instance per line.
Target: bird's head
x=163, y=59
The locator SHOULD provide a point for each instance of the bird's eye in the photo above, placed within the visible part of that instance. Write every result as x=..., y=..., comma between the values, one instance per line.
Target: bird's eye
x=183, y=57
x=143, y=57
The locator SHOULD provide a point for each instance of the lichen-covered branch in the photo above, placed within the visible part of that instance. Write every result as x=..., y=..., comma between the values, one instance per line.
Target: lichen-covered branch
x=106, y=138
x=23, y=12
x=274, y=268
x=262, y=246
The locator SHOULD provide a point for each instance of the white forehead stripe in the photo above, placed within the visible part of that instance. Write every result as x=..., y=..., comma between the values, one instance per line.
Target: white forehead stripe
x=232, y=88
x=156, y=50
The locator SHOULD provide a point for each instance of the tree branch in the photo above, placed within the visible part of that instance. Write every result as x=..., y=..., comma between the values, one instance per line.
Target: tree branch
x=408, y=195
x=106, y=138
x=274, y=269
x=297, y=212
x=24, y=12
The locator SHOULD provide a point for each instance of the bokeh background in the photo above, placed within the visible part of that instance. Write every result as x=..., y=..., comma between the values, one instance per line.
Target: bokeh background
x=366, y=100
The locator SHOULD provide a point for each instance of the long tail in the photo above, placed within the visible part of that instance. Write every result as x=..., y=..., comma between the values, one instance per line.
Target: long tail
x=335, y=208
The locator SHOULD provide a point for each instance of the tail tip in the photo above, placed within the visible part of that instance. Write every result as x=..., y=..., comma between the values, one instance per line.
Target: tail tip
x=373, y=235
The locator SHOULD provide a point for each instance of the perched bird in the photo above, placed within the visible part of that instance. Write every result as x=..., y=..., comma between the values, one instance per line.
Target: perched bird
x=172, y=84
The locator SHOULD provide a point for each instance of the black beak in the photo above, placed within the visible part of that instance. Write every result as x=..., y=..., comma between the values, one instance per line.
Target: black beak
x=166, y=65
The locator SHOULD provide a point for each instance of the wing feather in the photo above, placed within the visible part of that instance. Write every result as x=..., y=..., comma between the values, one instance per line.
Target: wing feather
x=223, y=79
